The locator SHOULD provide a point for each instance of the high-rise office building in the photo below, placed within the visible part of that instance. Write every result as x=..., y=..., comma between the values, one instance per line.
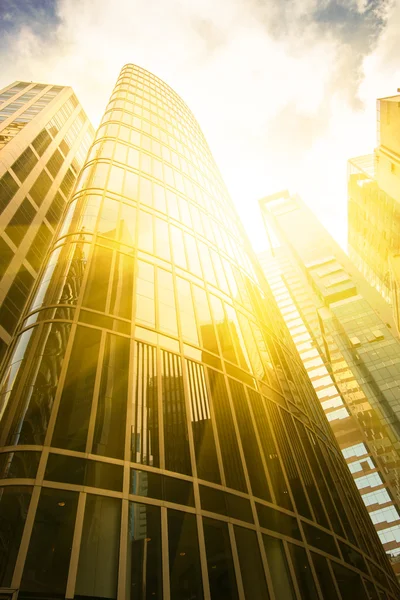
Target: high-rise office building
x=44, y=139
x=374, y=207
x=161, y=438
x=348, y=350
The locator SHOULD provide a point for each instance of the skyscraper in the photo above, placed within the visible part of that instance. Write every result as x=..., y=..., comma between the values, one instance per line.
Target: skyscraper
x=350, y=354
x=44, y=139
x=374, y=207
x=165, y=439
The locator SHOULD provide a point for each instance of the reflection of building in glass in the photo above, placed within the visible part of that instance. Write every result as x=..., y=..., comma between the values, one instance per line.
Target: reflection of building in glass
x=374, y=206
x=183, y=453
x=44, y=139
x=351, y=356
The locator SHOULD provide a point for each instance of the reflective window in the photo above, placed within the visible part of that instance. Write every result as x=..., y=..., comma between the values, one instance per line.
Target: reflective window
x=98, y=558
x=184, y=559
x=226, y=432
x=144, y=559
x=202, y=428
x=251, y=566
x=278, y=568
x=177, y=454
x=221, y=572
x=109, y=433
x=324, y=577
x=14, y=504
x=49, y=553
x=278, y=521
x=302, y=568
x=74, y=412
x=349, y=583
x=19, y=464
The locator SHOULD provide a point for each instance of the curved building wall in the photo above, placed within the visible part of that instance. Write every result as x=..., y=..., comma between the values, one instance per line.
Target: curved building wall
x=160, y=437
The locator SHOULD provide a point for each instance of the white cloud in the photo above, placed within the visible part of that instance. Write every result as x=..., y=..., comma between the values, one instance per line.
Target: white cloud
x=277, y=87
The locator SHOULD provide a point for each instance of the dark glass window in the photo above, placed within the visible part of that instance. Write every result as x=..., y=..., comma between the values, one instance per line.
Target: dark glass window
x=184, y=559
x=178, y=490
x=213, y=500
x=67, y=183
x=270, y=452
x=226, y=432
x=305, y=470
x=19, y=465
x=353, y=557
x=40, y=188
x=145, y=483
x=278, y=568
x=203, y=435
x=32, y=411
x=8, y=189
x=251, y=567
x=177, y=453
x=14, y=504
x=320, y=539
x=55, y=162
x=6, y=256
x=41, y=142
x=278, y=521
x=144, y=428
x=109, y=434
x=15, y=300
x=288, y=460
x=19, y=223
x=324, y=577
x=239, y=508
x=221, y=572
x=74, y=412
x=95, y=296
x=24, y=164
x=144, y=571
x=122, y=286
x=55, y=211
x=71, y=469
x=349, y=583
x=258, y=480
x=49, y=553
x=39, y=246
x=303, y=572
x=98, y=558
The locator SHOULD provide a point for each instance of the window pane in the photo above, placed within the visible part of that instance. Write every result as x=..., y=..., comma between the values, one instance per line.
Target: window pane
x=278, y=568
x=98, y=559
x=324, y=577
x=221, y=572
x=144, y=572
x=251, y=567
x=47, y=561
x=76, y=400
x=19, y=465
x=144, y=427
x=349, y=583
x=203, y=434
x=184, y=559
x=177, y=454
x=109, y=434
x=14, y=504
x=302, y=569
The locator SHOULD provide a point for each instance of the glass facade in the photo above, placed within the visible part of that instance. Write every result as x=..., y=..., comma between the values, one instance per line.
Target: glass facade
x=374, y=207
x=339, y=338
x=169, y=441
x=44, y=139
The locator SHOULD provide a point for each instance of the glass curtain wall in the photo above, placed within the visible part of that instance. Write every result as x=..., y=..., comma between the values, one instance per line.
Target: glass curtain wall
x=160, y=436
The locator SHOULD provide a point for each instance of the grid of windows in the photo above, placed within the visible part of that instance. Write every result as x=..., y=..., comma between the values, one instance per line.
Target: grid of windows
x=160, y=379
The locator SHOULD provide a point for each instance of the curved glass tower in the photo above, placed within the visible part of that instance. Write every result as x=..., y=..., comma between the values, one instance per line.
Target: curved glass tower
x=160, y=438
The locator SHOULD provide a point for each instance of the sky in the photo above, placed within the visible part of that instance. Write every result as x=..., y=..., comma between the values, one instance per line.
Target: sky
x=284, y=90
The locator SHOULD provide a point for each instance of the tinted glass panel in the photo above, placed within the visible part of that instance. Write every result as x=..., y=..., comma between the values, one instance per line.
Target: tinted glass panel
x=19, y=464
x=320, y=539
x=76, y=400
x=324, y=577
x=221, y=572
x=278, y=568
x=302, y=569
x=98, y=557
x=145, y=483
x=251, y=567
x=349, y=583
x=109, y=434
x=49, y=553
x=144, y=560
x=277, y=521
x=14, y=504
x=184, y=560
